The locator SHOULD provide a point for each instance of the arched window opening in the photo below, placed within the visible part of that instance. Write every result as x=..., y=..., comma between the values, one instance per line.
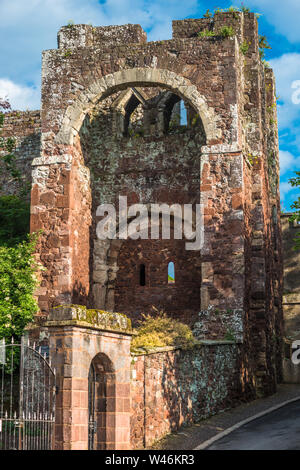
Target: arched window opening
x=142, y=275
x=183, y=114
x=134, y=116
x=172, y=113
x=175, y=115
x=171, y=273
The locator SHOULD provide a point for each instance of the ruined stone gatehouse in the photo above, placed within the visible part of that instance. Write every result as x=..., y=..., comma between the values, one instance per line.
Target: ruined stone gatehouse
x=190, y=120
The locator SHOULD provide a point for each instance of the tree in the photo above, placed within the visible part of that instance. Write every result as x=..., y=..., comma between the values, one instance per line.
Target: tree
x=17, y=264
x=295, y=182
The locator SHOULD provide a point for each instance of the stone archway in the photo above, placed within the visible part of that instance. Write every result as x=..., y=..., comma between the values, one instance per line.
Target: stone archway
x=107, y=85
x=71, y=275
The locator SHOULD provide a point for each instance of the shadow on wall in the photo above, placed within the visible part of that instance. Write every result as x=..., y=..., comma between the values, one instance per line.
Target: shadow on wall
x=188, y=386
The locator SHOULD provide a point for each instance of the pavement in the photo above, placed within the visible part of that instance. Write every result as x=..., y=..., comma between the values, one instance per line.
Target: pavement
x=205, y=433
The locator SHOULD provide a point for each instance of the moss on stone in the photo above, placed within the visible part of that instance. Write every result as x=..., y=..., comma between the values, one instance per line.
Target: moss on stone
x=97, y=317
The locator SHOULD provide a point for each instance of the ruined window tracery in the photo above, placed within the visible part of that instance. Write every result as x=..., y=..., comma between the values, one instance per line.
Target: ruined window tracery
x=134, y=117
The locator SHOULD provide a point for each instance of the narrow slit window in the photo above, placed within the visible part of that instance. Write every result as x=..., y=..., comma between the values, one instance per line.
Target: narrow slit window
x=142, y=275
x=171, y=273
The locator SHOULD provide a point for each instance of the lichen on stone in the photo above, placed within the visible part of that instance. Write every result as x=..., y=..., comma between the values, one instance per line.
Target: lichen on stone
x=96, y=317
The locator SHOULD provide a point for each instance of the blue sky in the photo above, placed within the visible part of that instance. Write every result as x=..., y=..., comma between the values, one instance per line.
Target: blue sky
x=28, y=27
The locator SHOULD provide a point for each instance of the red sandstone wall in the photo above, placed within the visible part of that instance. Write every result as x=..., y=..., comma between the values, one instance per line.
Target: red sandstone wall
x=171, y=389
x=240, y=264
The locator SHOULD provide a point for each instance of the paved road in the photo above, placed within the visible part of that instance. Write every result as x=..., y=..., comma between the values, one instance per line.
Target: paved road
x=279, y=430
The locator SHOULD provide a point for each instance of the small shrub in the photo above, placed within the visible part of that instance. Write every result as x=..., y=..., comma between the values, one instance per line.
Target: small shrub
x=158, y=330
x=208, y=14
x=263, y=45
x=18, y=282
x=245, y=9
x=244, y=47
x=227, y=31
x=206, y=33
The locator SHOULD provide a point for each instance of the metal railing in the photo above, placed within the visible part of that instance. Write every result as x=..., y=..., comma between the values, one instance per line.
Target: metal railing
x=27, y=398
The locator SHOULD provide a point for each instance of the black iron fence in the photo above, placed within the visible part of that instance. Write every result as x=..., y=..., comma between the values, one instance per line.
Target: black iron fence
x=27, y=398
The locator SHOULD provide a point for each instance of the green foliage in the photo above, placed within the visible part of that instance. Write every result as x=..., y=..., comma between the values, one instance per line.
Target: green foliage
x=206, y=33
x=252, y=159
x=295, y=183
x=263, y=45
x=229, y=335
x=227, y=31
x=245, y=9
x=208, y=14
x=234, y=11
x=67, y=53
x=158, y=330
x=18, y=282
x=196, y=120
x=136, y=133
x=17, y=264
x=244, y=47
x=14, y=220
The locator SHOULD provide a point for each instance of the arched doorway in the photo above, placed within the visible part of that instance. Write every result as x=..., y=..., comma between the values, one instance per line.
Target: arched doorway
x=101, y=403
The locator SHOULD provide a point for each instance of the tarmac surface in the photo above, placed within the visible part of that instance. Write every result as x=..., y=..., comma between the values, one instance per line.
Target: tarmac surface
x=278, y=430
x=190, y=437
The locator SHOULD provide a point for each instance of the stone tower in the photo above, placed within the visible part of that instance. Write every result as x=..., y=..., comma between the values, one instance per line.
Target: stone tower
x=190, y=120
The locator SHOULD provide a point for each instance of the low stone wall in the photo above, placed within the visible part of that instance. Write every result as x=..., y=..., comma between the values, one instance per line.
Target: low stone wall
x=173, y=387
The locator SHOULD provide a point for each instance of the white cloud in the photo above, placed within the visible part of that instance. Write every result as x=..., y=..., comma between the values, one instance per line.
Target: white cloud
x=285, y=188
x=287, y=72
x=283, y=15
x=19, y=96
x=288, y=162
x=29, y=27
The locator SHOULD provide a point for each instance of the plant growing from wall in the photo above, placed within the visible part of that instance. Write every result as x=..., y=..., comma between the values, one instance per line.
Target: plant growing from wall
x=295, y=183
x=157, y=330
x=206, y=33
x=227, y=31
x=244, y=47
x=224, y=32
x=229, y=335
x=263, y=45
x=208, y=14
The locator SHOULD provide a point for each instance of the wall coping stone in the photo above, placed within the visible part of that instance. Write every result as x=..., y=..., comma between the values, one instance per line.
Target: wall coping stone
x=83, y=324
x=92, y=318
x=198, y=344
